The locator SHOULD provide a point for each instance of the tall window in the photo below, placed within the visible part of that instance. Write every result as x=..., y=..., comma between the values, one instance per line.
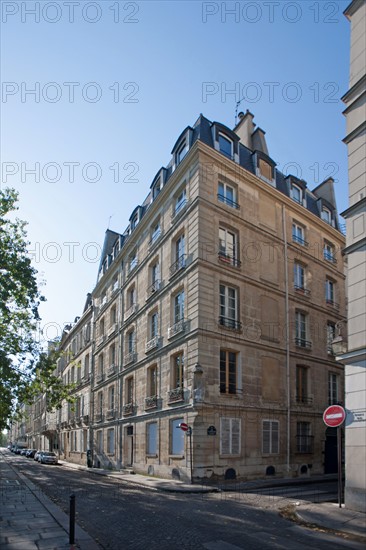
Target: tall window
x=180, y=201
x=265, y=169
x=152, y=438
x=230, y=436
x=299, y=276
x=100, y=402
x=179, y=307
x=155, y=232
x=228, y=307
x=178, y=371
x=328, y=253
x=154, y=325
x=132, y=261
x=302, y=393
x=225, y=146
x=331, y=332
x=131, y=341
x=179, y=247
x=110, y=441
x=298, y=234
x=228, y=371
x=176, y=437
x=329, y=291
x=152, y=386
x=129, y=390
x=112, y=355
x=86, y=366
x=227, y=194
x=102, y=327
x=182, y=151
x=113, y=315
x=101, y=365
x=296, y=193
x=304, y=438
x=270, y=437
x=228, y=246
x=301, y=329
x=99, y=441
x=111, y=397
x=326, y=215
x=333, y=383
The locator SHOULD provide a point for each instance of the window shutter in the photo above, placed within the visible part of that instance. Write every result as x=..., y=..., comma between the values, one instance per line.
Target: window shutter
x=235, y=436
x=225, y=436
x=266, y=437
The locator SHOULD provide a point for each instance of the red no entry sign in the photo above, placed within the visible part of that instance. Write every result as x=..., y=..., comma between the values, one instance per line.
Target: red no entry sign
x=334, y=416
x=183, y=426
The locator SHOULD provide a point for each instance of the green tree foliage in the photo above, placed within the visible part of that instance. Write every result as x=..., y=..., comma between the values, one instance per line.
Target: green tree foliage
x=24, y=371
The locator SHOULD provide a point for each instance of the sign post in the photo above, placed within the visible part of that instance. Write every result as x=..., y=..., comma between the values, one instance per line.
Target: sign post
x=188, y=430
x=333, y=417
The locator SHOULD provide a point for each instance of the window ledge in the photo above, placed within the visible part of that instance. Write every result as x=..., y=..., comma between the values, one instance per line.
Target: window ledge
x=151, y=456
x=177, y=457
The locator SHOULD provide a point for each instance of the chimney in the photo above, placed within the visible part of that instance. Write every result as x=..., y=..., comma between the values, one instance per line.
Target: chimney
x=245, y=128
x=259, y=141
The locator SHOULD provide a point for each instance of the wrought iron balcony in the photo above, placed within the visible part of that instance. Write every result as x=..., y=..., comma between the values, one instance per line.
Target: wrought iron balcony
x=111, y=414
x=151, y=402
x=152, y=344
x=111, y=370
x=153, y=288
x=176, y=395
x=329, y=256
x=112, y=329
x=99, y=377
x=179, y=264
x=155, y=237
x=302, y=290
x=299, y=240
x=177, y=328
x=132, y=266
x=228, y=260
x=302, y=343
x=100, y=341
x=332, y=303
x=130, y=358
x=228, y=322
x=98, y=417
x=227, y=201
x=127, y=409
x=179, y=209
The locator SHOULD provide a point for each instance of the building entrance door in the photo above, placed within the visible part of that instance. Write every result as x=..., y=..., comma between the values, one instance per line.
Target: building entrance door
x=129, y=446
x=330, y=451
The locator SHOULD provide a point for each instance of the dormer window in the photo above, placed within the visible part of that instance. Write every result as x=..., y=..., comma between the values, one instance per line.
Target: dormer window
x=134, y=221
x=225, y=146
x=296, y=193
x=326, y=215
x=156, y=189
x=265, y=169
x=182, y=151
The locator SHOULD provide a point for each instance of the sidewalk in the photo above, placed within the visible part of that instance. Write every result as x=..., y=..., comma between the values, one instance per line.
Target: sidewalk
x=30, y=520
x=326, y=515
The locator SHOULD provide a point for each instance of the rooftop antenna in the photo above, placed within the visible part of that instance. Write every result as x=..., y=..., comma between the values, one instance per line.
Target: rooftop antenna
x=236, y=109
x=109, y=220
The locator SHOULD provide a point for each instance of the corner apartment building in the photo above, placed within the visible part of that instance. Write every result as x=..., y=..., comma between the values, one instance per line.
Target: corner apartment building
x=216, y=307
x=355, y=251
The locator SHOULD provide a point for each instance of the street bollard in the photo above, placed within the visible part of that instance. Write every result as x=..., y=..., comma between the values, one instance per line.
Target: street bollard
x=72, y=520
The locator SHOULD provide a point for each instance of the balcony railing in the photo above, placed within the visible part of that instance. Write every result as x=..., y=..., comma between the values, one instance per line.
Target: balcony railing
x=332, y=303
x=179, y=264
x=153, y=288
x=111, y=414
x=329, y=257
x=228, y=260
x=301, y=290
x=112, y=329
x=130, y=311
x=151, y=402
x=299, y=240
x=132, y=266
x=227, y=201
x=179, y=209
x=100, y=340
x=228, y=322
x=130, y=358
x=155, y=237
x=301, y=343
x=127, y=409
x=111, y=370
x=177, y=328
x=176, y=395
x=99, y=377
x=152, y=344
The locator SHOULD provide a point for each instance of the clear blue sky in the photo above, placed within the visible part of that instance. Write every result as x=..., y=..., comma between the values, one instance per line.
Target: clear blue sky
x=155, y=66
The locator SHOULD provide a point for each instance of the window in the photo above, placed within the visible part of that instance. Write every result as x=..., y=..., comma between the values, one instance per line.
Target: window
x=329, y=291
x=132, y=261
x=182, y=151
x=328, y=253
x=78, y=372
x=180, y=202
x=333, y=384
x=228, y=307
x=134, y=221
x=155, y=232
x=131, y=297
x=111, y=397
x=101, y=327
x=99, y=441
x=304, y=437
x=299, y=276
x=152, y=385
x=86, y=366
x=302, y=378
x=296, y=193
x=113, y=315
x=129, y=390
x=110, y=441
x=101, y=366
x=298, y=234
x=225, y=146
x=301, y=330
x=228, y=246
x=228, y=371
x=112, y=355
x=100, y=402
x=176, y=437
x=179, y=307
x=131, y=341
x=265, y=169
x=151, y=438
x=331, y=333
x=270, y=437
x=326, y=215
x=230, y=436
x=179, y=254
x=156, y=189
x=178, y=371
x=227, y=194
x=179, y=247
x=154, y=325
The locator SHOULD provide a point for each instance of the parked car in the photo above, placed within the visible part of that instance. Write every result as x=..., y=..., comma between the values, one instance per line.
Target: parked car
x=23, y=452
x=37, y=455
x=48, y=457
x=30, y=453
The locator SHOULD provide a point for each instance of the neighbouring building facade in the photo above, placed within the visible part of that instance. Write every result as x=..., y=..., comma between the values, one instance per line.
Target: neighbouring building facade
x=216, y=307
x=355, y=357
